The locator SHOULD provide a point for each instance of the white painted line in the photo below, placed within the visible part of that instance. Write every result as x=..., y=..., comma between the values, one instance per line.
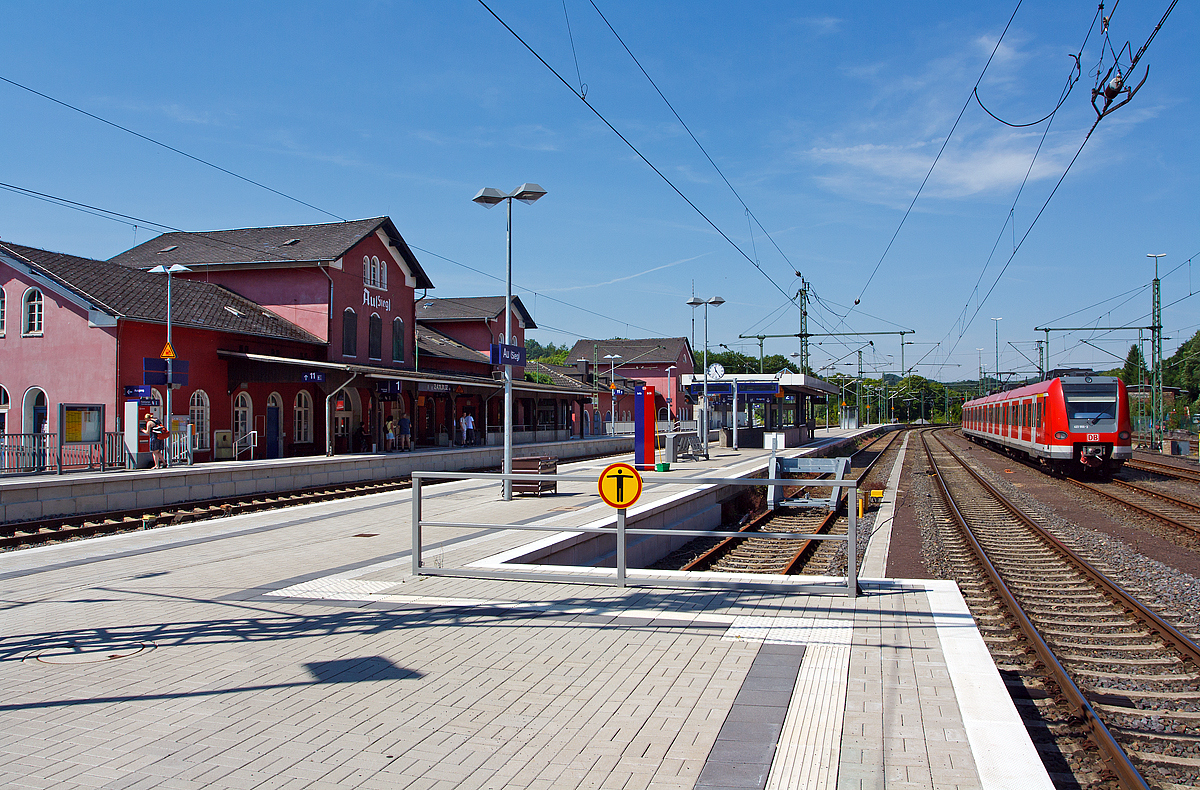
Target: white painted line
x=875, y=562
x=1004, y=755
x=810, y=744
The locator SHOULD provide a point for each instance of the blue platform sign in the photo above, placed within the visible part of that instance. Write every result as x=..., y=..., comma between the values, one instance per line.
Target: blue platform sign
x=155, y=365
x=503, y=354
x=312, y=376
x=139, y=392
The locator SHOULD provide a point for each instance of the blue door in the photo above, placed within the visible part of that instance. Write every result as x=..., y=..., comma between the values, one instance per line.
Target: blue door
x=272, y=432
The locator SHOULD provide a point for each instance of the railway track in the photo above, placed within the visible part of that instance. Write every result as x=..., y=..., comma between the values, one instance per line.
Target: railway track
x=1170, y=510
x=774, y=555
x=1167, y=470
x=62, y=528
x=1131, y=679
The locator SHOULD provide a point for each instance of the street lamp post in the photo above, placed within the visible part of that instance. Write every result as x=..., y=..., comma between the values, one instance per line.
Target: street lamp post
x=612, y=389
x=670, y=394
x=169, y=270
x=488, y=197
x=997, y=320
x=695, y=302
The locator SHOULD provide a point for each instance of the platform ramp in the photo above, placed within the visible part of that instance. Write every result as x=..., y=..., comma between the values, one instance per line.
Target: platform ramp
x=837, y=468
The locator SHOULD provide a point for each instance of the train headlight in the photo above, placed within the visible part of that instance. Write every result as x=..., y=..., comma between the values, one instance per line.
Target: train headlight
x=1123, y=435
x=1060, y=435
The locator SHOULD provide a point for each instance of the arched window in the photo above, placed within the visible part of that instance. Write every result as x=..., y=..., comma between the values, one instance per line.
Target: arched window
x=397, y=339
x=3, y=299
x=366, y=270
x=383, y=274
x=3, y=409
x=33, y=312
x=375, y=337
x=374, y=271
x=199, y=411
x=303, y=408
x=349, y=333
x=243, y=415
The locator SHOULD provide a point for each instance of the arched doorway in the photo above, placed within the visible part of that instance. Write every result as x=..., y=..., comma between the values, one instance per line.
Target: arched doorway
x=35, y=416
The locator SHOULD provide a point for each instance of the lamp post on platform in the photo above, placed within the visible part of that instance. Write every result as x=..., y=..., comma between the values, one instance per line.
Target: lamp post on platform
x=488, y=197
x=695, y=302
x=174, y=268
x=997, y=320
x=612, y=390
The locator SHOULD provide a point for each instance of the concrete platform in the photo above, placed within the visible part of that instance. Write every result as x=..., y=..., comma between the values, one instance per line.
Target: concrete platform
x=294, y=649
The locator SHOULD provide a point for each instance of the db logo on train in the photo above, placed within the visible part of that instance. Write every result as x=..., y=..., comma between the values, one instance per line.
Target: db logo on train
x=1093, y=437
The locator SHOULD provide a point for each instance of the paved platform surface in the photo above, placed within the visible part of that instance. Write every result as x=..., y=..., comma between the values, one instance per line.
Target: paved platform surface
x=294, y=649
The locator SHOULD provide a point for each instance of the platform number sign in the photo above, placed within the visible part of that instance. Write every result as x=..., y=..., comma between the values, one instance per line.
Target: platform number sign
x=620, y=485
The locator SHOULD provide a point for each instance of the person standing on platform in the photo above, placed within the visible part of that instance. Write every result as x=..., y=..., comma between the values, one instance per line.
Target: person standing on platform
x=405, y=433
x=390, y=435
x=469, y=429
x=462, y=429
x=155, y=430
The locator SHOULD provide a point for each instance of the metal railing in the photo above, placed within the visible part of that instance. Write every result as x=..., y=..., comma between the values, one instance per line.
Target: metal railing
x=247, y=441
x=620, y=577
x=25, y=453
x=180, y=446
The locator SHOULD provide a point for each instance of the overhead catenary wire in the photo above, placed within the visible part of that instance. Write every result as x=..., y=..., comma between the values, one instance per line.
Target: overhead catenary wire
x=936, y=159
x=695, y=139
x=172, y=148
x=633, y=148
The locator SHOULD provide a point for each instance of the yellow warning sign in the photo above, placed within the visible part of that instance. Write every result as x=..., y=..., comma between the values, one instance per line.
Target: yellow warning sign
x=167, y=352
x=620, y=485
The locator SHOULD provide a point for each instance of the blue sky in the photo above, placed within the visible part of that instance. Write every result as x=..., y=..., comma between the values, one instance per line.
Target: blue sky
x=824, y=118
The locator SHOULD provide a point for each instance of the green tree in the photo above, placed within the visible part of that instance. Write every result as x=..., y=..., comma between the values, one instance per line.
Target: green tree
x=1134, y=371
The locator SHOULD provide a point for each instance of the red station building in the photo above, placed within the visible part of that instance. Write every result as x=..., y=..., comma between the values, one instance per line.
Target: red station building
x=299, y=340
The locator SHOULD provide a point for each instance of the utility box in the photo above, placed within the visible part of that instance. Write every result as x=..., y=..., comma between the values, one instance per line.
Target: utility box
x=222, y=445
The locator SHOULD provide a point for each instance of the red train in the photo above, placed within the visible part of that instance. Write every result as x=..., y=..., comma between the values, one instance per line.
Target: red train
x=1070, y=424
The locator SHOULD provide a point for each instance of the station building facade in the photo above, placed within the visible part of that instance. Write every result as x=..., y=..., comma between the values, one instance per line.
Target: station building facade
x=305, y=336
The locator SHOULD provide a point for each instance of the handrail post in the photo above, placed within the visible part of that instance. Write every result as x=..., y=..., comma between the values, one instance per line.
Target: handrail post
x=621, y=547
x=852, y=542
x=416, y=525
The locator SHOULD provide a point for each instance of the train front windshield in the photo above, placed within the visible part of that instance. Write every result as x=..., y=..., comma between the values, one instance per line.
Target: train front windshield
x=1090, y=405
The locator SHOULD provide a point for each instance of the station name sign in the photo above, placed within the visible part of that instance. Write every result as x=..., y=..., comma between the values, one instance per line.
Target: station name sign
x=503, y=354
x=378, y=302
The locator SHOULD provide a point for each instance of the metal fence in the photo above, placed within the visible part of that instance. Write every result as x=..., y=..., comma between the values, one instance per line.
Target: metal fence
x=23, y=453
x=620, y=577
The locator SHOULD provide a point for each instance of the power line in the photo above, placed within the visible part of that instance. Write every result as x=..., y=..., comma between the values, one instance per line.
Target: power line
x=945, y=142
x=541, y=295
x=686, y=128
x=633, y=148
x=169, y=147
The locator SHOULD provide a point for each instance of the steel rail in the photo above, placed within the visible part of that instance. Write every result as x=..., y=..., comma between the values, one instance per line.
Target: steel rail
x=1165, y=630
x=1128, y=775
x=1145, y=511
x=1166, y=470
x=727, y=545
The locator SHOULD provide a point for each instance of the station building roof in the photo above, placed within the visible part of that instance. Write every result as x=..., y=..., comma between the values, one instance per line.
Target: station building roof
x=433, y=343
x=470, y=308
x=122, y=292
x=643, y=351
x=284, y=245
x=787, y=381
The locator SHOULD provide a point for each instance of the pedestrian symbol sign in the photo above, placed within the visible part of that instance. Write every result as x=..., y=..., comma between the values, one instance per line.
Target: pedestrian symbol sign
x=620, y=485
x=167, y=352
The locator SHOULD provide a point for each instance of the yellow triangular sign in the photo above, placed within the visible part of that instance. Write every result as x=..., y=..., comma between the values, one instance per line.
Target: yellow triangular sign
x=167, y=352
